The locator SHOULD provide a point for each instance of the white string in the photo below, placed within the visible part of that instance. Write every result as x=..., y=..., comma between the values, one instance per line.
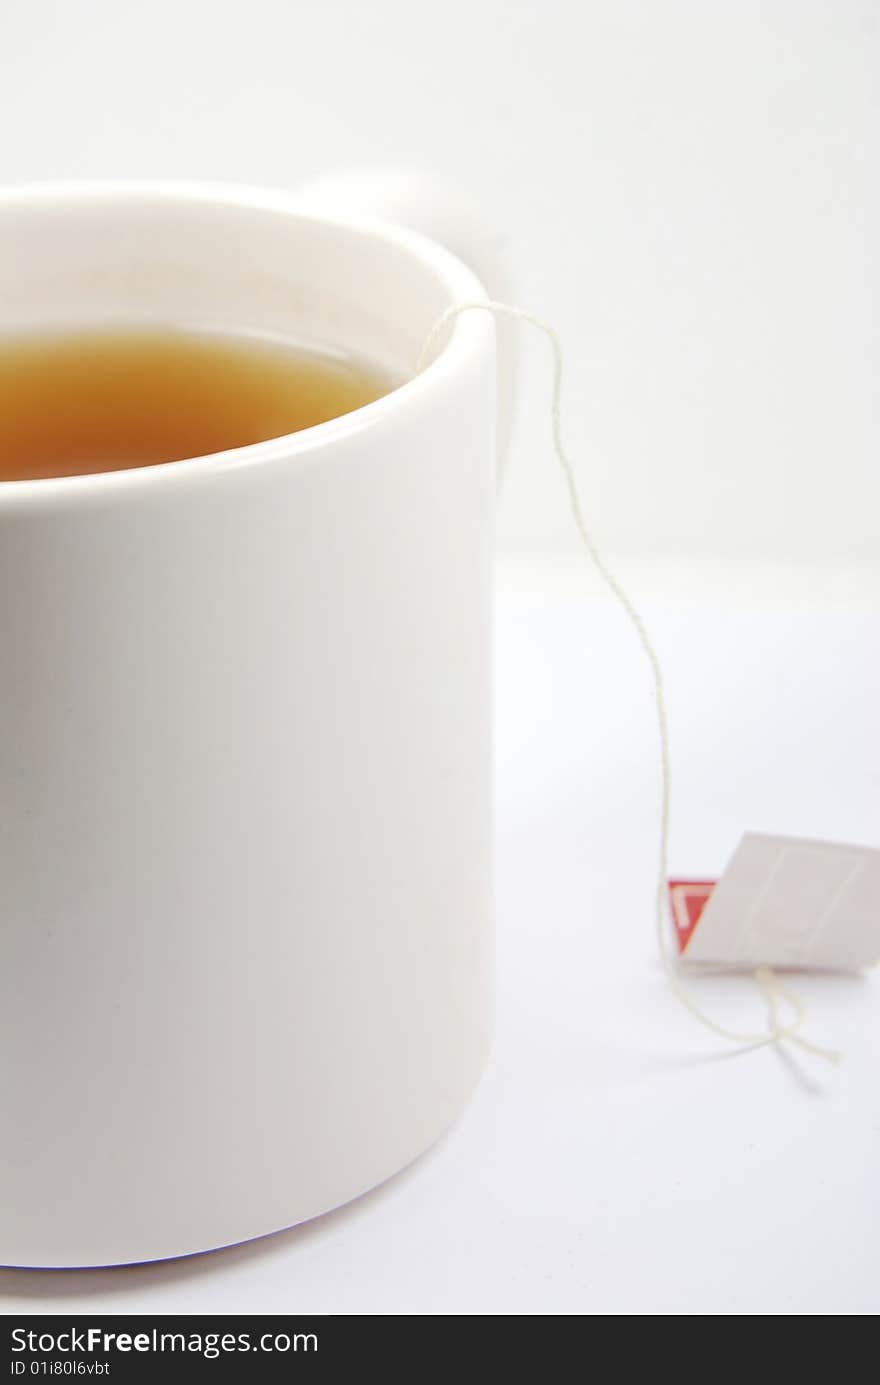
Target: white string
x=764, y=977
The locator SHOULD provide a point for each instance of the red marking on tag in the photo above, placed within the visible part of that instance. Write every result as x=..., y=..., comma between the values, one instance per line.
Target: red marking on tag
x=688, y=900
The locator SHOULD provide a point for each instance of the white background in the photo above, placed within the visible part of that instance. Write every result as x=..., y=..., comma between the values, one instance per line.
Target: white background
x=689, y=187
x=690, y=194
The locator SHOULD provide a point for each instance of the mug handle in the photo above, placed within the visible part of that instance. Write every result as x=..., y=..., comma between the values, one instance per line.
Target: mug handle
x=437, y=208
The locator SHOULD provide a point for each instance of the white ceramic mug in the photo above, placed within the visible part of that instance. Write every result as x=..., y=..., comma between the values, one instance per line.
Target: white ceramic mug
x=245, y=749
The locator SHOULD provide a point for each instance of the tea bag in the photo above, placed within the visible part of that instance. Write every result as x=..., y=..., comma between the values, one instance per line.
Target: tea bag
x=783, y=901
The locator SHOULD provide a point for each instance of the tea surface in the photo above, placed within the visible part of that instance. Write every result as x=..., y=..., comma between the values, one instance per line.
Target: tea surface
x=106, y=400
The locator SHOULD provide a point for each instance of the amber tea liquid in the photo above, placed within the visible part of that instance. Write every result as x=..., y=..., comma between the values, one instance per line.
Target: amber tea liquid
x=107, y=400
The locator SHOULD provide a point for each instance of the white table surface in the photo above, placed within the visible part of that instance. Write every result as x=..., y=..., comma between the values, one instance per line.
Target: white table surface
x=617, y=1159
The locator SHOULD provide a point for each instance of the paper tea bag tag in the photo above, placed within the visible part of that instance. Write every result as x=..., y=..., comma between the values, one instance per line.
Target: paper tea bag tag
x=784, y=902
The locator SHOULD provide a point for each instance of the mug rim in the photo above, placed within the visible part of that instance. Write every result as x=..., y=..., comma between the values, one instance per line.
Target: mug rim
x=468, y=332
